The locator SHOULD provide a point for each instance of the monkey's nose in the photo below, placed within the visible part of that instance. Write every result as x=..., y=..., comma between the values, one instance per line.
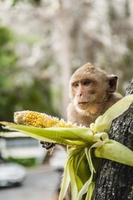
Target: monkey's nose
x=80, y=94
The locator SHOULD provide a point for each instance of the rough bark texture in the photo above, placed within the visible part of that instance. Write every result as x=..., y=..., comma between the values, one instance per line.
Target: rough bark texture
x=115, y=181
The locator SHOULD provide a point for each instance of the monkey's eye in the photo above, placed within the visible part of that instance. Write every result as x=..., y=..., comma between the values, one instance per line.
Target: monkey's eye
x=75, y=84
x=86, y=82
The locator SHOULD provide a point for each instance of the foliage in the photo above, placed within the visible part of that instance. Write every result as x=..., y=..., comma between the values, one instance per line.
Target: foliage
x=37, y=96
x=29, y=162
x=8, y=57
x=20, y=89
x=36, y=2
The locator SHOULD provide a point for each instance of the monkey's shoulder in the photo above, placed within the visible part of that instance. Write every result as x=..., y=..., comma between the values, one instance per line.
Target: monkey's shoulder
x=114, y=98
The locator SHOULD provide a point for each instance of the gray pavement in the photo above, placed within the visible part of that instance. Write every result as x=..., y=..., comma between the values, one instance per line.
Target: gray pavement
x=40, y=184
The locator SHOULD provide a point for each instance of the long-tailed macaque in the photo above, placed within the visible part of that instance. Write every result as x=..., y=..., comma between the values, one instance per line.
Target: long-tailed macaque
x=92, y=92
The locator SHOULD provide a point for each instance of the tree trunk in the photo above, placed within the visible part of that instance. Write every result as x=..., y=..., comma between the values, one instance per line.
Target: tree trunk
x=114, y=180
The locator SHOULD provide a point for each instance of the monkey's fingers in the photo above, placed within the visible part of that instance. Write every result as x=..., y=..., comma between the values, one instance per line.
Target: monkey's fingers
x=47, y=145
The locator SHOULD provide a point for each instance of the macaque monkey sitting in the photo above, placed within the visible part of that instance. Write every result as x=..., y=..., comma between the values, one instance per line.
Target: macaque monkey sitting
x=92, y=92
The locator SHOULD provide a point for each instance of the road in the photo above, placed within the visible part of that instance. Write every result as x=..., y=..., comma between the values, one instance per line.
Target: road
x=40, y=184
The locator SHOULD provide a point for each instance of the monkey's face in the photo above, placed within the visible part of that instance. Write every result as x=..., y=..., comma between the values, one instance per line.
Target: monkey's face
x=90, y=86
x=87, y=91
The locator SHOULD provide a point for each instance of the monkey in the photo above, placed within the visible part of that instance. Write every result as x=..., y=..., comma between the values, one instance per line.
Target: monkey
x=92, y=92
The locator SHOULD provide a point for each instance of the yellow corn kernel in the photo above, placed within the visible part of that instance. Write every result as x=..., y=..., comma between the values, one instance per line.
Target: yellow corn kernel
x=38, y=119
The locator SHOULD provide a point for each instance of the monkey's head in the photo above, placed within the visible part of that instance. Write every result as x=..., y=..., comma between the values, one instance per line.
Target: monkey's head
x=90, y=85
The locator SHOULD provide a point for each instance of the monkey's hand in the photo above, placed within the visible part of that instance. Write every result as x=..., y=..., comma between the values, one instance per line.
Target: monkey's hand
x=47, y=145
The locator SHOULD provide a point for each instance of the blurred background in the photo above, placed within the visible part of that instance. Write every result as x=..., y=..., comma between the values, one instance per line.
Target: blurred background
x=41, y=43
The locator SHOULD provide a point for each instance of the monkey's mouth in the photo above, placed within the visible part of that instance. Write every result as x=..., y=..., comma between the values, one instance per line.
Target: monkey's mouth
x=82, y=103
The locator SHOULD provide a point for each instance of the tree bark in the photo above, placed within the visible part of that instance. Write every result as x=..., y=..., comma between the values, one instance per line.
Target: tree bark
x=115, y=181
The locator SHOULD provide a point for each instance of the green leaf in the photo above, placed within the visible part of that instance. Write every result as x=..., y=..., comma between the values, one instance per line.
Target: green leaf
x=79, y=182
x=90, y=191
x=115, y=151
x=82, y=169
x=76, y=154
x=85, y=188
x=89, y=159
x=74, y=187
x=65, y=181
x=103, y=122
x=66, y=136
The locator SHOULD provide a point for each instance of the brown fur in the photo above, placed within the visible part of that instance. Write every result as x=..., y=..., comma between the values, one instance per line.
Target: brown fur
x=92, y=92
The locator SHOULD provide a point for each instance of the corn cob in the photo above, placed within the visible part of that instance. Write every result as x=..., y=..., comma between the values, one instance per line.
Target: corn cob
x=40, y=120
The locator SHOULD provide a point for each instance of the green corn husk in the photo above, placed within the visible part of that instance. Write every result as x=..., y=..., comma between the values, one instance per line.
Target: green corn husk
x=65, y=181
x=108, y=151
x=66, y=136
x=103, y=122
x=86, y=145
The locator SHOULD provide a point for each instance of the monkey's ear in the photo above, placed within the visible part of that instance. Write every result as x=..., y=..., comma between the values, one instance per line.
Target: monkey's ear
x=112, y=83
